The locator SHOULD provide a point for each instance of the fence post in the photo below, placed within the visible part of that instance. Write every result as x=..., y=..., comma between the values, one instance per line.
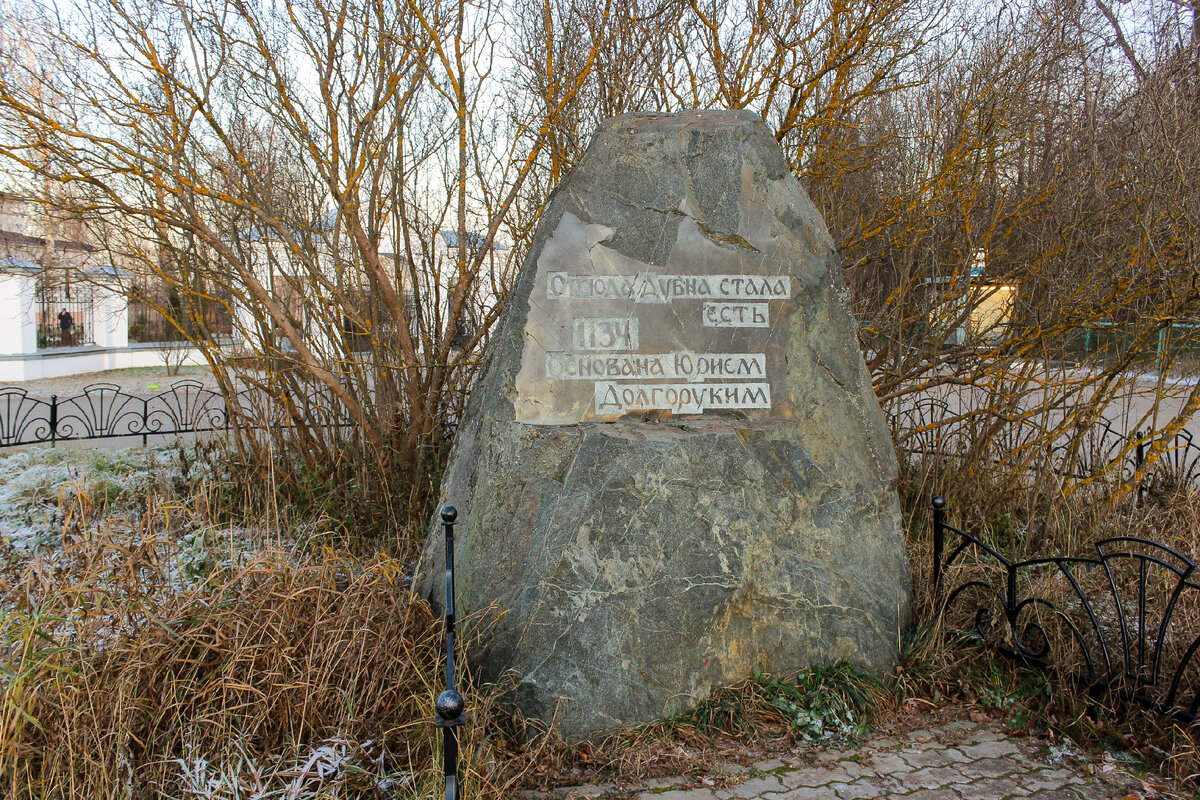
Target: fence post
x=1140, y=459
x=939, y=541
x=449, y=705
x=53, y=419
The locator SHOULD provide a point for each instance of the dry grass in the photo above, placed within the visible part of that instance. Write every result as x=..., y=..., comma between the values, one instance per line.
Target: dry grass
x=121, y=680
x=206, y=639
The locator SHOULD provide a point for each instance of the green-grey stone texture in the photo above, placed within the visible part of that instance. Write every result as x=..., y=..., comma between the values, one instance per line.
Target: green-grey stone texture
x=640, y=563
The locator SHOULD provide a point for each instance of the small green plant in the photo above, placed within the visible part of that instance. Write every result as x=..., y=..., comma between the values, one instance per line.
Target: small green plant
x=1006, y=534
x=105, y=490
x=998, y=685
x=827, y=700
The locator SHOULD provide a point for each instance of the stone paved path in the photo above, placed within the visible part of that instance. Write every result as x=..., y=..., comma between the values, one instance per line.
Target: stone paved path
x=952, y=761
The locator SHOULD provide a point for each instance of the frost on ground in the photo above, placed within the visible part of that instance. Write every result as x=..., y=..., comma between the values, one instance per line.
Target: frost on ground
x=46, y=492
x=329, y=769
x=90, y=529
x=49, y=496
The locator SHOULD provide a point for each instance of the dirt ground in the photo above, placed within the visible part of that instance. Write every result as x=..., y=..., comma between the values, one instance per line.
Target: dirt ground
x=138, y=381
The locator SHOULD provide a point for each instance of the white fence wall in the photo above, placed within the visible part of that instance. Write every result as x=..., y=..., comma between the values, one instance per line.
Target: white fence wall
x=21, y=360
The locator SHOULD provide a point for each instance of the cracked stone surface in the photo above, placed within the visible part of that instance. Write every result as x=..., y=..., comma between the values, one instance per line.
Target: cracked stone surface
x=673, y=467
x=887, y=767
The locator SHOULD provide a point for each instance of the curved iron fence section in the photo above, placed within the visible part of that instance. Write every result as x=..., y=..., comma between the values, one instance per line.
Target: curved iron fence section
x=1120, y=621
x=1180, y=461
x=187, y=407
x=929, y=428
x=23, y=419
x=105, y=411
x=1095, y=449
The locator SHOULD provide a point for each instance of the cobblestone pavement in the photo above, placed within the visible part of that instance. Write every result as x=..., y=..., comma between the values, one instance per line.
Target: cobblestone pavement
x=952, y=761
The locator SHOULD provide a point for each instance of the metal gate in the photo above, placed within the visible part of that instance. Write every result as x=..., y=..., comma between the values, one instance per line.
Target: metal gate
x=64, y=317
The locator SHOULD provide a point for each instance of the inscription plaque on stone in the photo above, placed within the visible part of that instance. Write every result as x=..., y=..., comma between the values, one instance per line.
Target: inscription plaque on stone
x=608, y=336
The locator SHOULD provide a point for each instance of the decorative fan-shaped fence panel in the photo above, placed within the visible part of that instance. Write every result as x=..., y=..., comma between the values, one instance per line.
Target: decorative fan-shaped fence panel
x=1120, y=621
x=1179, y=463
x=103, y=411
x=1097, y=449
x=187, y=407
x=23, y=419
x=106, y=411
x=923, y=428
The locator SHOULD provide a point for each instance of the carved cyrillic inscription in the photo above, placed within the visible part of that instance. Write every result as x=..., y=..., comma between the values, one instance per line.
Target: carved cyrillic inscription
x=650, y=287
x=621, y=398
x=688, y=366
x=736, y=315
x=605, y=333
x=608, y=335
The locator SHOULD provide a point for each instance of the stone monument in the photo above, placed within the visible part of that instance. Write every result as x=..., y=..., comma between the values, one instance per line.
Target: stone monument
x=673, y=467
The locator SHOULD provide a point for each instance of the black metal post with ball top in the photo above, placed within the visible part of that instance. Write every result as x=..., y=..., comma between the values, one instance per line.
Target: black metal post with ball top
x=449, y=706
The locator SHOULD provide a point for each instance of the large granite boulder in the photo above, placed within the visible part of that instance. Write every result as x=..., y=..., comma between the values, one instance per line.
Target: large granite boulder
x=673, y=467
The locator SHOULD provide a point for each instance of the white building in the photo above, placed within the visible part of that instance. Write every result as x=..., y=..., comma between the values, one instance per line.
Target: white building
x=62, y=311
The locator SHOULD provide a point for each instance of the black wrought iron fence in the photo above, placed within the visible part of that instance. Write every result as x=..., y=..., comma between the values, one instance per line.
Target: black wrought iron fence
x=1122, y=621
x=930, y=428
x=106, y=411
